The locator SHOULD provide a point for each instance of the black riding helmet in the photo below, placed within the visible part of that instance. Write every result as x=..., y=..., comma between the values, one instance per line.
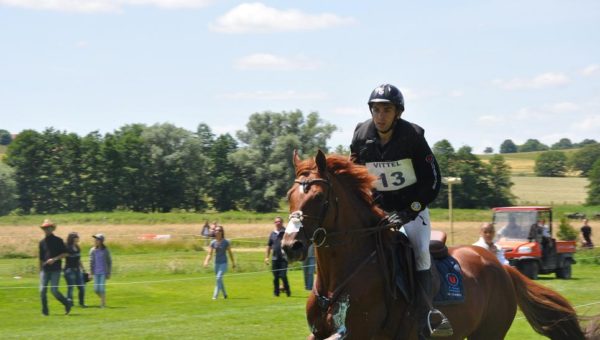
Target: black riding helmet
x=387, y=93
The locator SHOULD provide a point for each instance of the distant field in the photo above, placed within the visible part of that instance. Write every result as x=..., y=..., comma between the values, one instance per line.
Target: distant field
x=523, y=163
x=550, y=190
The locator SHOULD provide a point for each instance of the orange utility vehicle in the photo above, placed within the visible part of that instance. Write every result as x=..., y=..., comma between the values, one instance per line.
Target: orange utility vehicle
x=525, y=235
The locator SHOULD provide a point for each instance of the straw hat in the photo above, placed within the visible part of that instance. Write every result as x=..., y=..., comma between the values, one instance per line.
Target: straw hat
x=47, y=223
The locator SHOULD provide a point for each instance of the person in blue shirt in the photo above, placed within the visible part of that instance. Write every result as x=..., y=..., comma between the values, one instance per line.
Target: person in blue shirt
x=220, y=247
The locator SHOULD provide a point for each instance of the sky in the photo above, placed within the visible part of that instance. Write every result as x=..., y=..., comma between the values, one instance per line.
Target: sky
x=472, y=72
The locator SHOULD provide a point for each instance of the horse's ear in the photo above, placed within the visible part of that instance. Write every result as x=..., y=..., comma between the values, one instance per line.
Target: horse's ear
x=296, y=159
x=321, y=161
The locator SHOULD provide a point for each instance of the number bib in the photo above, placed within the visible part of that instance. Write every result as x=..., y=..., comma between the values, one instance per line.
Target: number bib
x=392, y=175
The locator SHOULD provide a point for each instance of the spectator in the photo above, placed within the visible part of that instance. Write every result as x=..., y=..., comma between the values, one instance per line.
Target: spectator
x=100, y=267
x=308, y=267
x=486, y=240
x=220, y=246
x=205, y=230
x=511, y=229
x=279, y=262
x=586, y=235
x=74, y=269
x=51, y=251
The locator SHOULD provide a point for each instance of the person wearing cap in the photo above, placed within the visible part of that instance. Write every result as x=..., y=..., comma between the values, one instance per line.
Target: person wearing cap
x=100, y=267
x=51, y=251
x=408, y=178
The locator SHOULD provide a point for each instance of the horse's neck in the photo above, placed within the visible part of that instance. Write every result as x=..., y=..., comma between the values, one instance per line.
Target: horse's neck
x=337, y=262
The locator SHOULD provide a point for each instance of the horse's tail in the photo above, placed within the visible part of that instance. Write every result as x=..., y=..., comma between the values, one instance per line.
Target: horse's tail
x=548, y=312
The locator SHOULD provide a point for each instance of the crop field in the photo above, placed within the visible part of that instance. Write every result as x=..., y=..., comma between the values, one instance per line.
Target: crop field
x=549, y=190
x=160, y=290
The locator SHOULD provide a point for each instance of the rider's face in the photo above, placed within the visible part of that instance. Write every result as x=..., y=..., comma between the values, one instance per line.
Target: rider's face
x=383, y=115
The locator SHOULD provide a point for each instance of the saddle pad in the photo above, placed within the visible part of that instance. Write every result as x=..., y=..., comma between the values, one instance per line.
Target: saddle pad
x=451, y=282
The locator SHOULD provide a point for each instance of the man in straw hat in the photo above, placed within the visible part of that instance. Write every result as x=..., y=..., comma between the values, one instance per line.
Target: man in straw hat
x=52, y=250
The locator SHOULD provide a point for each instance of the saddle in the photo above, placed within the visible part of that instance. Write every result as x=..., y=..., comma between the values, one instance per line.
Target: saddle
x=447, y=275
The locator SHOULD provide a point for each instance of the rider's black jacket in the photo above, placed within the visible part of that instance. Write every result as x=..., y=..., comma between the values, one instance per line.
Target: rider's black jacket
x=407, y=141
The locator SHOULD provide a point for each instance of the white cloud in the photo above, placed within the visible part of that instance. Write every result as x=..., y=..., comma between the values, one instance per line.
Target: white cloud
x=541, y=81
x=265, y=61
x=259, y=18
x=100, y=6
x=591, y=70
x=562, y=107
x=489, y=120
x=275, y=95
x=412, y=94
x=588, y=123
x=456, y=93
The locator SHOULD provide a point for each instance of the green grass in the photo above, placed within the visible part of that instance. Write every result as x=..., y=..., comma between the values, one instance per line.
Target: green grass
x=167, y=294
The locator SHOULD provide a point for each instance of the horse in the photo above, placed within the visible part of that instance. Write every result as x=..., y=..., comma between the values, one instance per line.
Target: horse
x=331, y=205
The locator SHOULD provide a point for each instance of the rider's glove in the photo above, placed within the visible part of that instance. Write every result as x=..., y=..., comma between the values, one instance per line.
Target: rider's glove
x=400, y=218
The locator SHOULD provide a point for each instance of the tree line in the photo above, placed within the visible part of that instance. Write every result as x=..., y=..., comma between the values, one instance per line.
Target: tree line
x=161, y=168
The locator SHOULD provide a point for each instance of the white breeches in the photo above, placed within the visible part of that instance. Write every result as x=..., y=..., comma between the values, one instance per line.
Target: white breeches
x=418, y=232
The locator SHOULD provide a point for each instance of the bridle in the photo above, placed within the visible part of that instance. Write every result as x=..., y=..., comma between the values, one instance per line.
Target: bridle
x=320, y=236
x=305, y=185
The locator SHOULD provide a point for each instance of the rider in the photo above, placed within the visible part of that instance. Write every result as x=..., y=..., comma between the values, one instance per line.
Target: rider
x=408, y=178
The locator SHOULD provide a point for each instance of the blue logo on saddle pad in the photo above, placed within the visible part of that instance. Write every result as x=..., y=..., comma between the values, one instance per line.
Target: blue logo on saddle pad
x=451, y=285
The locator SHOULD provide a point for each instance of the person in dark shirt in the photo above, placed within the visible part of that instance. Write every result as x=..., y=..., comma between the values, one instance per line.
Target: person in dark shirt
x=279, y=262
x=51, y=251
x=586, y=235
x=396, y=152
x=74, y=269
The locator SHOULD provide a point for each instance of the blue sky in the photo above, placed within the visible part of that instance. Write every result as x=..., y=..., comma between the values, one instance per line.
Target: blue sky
x=473, y=72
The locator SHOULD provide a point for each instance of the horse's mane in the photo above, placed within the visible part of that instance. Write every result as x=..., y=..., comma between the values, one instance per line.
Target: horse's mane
x=354, y=177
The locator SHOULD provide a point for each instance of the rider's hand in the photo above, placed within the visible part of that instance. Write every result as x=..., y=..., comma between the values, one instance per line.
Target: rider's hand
x=400, y=218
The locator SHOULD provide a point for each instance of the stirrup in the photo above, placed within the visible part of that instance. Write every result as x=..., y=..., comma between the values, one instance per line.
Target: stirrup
x=443, y=329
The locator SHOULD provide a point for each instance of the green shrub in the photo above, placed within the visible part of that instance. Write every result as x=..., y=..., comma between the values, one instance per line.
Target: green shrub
x=566, y=231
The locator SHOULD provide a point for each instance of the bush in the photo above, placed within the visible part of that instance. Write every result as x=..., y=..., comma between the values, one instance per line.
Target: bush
x=565, y=231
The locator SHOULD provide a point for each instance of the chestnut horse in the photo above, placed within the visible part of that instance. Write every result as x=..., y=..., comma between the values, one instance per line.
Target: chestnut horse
x=332, y=206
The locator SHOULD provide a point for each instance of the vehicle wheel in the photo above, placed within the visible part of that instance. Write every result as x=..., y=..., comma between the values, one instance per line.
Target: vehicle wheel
x=529, y=269
x=564, y=272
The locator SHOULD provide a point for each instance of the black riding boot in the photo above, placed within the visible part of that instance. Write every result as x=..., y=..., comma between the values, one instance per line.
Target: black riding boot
x=431, y=322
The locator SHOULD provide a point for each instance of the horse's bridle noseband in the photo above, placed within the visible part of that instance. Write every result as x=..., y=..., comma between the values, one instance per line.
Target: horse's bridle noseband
x=305, y=184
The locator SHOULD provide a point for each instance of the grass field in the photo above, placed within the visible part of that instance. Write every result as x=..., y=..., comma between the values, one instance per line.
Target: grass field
x=523, y=163
x=160, y=290
x=162, y=295
x=550, y=190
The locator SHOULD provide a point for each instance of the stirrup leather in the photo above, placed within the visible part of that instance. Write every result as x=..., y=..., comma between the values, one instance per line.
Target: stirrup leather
x=443, y=329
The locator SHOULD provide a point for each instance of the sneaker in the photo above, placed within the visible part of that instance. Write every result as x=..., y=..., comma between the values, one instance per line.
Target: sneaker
x=68, y=308
x=45, y=312
x=225, y=297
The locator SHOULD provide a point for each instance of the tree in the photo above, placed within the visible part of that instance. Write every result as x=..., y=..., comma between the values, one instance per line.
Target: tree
x=225, y=189
x=585, y=142
x=488, y=150
x=8, y=189
x=483, y=185
x=342, y=150
x=532, y=145
x=5, y=137
x=565, y=231
x=508, y=146
x=594, y=186
x=563, y=143
x=585, y=157
x=551, y=164
x=500, y=183
x=265, y=159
